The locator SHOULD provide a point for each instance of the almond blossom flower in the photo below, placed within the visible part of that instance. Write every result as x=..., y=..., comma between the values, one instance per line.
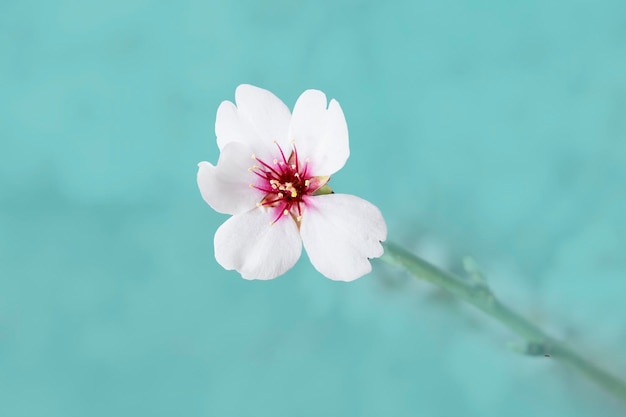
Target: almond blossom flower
x=272, y=177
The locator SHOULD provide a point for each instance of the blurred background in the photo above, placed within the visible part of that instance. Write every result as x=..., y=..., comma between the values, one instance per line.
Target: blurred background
x=482, y=128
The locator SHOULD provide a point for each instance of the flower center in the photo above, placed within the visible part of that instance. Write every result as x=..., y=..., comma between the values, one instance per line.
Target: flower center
x=285, y=182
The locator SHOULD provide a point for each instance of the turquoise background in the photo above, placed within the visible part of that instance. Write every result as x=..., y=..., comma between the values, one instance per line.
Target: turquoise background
x=496, y=129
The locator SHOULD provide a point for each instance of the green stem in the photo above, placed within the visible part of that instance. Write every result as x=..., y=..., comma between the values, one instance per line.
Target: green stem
x=479, y=295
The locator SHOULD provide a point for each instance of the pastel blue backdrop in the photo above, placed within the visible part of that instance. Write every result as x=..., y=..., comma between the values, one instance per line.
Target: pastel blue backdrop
x=483, y=128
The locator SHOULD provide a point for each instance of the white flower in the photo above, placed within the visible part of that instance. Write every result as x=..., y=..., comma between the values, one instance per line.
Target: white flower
x=271, y=177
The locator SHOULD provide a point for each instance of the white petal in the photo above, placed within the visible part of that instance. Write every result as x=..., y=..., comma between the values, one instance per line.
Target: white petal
x=269, y=116
x=320, y=134
x=226, y=188
x=257, y=250
x=259, y=119
x=232, y=126
x=340, y=232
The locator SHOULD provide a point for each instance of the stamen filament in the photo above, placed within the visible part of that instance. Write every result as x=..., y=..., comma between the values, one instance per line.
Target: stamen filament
x=281, y=153
x=269, y=167
x=295, y=155
x=265, y=190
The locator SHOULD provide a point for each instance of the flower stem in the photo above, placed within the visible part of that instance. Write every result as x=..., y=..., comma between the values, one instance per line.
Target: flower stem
x=478, y=294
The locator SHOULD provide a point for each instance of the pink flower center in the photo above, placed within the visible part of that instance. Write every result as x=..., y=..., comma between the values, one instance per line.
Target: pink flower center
x=285, y=182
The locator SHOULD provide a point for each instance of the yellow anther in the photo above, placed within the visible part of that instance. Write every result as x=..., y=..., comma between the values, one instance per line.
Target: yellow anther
x=253, y=156
x=259, y=204
x=280, y=195
x=275, y=161
x=306, y=183
x=294, y=193
x=285, y=212
x=293, y=166
x=299, y=218
x=251, y=185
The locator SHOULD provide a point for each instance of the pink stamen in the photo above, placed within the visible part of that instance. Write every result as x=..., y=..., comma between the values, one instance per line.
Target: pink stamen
x=260, y=175
x=262, y=189
x=280, y=213
x=267, y=203
x=295, y=153
x=267, y=166
x=306, y=170
x=282, y=153
x=285, y=184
